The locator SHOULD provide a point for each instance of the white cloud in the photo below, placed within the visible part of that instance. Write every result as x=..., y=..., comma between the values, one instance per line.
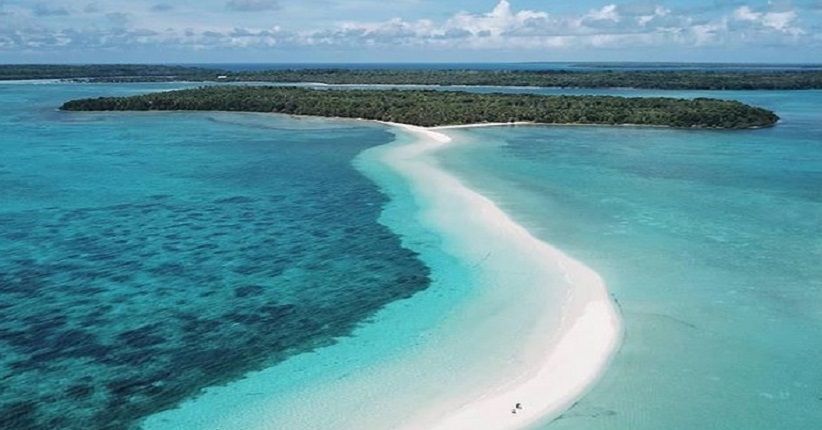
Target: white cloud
x=503, y=27
x=607, y=13
x=658, y=12
x=500, y=20
x=635, y=25
x=784, y=21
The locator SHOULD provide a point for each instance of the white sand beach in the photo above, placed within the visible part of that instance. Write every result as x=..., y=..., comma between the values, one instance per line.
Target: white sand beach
x=507, y=319
x=591, y=328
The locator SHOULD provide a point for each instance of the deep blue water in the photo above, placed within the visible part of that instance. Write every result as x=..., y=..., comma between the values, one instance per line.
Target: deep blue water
x=146, y=256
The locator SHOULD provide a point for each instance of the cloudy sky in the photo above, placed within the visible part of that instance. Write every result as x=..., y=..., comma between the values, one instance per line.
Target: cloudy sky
x=409, y=30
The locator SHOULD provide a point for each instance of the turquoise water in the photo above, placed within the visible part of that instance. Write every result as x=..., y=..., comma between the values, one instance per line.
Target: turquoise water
x=710, y=241
x=145, y=257
x=422, y=357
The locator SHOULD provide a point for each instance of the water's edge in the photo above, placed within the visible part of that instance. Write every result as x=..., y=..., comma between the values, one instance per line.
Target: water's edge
x=567, y=362
x=446, y=358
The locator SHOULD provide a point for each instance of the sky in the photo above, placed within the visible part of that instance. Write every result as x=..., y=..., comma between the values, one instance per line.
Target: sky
x=350, y=31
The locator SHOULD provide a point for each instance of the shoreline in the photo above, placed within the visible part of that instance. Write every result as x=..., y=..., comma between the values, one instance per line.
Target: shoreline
x=436, y=127
x=521, y=322
x=589, y=335
x=96, y=80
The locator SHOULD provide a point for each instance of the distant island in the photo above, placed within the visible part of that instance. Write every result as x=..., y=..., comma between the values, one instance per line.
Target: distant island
x=436, y=108
x=102, y=72
x=771, y=79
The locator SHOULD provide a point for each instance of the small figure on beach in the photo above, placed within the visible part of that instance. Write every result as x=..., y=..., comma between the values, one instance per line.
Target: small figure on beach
x=518, y=406
x=514, y=411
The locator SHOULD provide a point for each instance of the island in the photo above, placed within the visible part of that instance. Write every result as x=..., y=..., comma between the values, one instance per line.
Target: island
x=598, y=77
x=609, y=78
x=429, y=108
x=105, y=72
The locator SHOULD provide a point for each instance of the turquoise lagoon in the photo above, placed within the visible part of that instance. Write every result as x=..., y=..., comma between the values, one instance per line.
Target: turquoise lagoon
x=710, y=241
x=246, y=269
x=145, y=257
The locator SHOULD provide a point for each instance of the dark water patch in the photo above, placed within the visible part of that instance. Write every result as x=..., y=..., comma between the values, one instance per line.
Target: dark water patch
x=46, y=324
x=142, y=337
x=248, y=290
x=79, y=391
x=20, y=415
x=234, y=200
x=15, y=235
x=123, y=308
x=168, y=269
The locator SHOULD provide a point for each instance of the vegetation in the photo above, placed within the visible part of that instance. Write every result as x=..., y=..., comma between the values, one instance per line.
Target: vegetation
x=431, y=108
x=656, y=79
x=716, y=79
x=102, y=72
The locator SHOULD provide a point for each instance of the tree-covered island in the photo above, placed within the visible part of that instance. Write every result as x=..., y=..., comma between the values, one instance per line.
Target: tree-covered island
x=616, y=78
x=105, y=72
x=709, y=79
x=433, y=108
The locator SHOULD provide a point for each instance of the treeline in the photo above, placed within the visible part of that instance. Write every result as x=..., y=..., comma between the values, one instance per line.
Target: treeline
x=432, y=108
x=650, y=79
x=656, y=79
x=102, y=72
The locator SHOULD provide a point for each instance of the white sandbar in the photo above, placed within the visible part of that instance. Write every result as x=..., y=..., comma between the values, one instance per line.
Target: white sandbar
x=507, y=319
x=590, y=333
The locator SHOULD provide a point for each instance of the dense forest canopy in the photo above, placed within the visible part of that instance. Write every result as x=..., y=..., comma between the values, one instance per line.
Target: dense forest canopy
x=103, y=72
x=709, y=80
x=656, y=79
x=432, y=108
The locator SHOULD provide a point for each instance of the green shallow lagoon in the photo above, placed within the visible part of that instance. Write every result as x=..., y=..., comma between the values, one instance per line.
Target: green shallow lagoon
x=710, y=241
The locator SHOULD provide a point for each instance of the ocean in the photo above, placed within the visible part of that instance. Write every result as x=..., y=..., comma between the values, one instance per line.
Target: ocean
x=262, y=271
x=147, y=256
x=711, y=243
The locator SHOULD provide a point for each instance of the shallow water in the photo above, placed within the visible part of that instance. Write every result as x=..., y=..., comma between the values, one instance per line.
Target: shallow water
x=424, y=357
x=711, y=243
x=146, y=256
